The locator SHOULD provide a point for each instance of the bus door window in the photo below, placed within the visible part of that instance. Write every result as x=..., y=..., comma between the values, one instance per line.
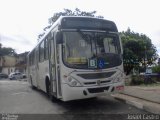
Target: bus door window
x=41, y=51
x=52, y=63
x=46, y=49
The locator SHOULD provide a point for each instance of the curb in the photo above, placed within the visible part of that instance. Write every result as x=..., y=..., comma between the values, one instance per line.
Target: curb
x=134, y=103
x=153, y=101
x=138, y=103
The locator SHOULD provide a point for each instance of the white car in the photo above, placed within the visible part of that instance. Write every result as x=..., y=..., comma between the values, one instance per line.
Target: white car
x=15, y=76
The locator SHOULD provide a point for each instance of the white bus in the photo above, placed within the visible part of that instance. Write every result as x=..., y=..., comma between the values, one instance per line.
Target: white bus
x=78, y=58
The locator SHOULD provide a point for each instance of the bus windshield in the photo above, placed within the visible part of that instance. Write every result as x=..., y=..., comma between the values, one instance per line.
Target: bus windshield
x=91, y=50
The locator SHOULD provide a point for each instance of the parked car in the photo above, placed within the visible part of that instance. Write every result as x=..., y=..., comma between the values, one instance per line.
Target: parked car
x=15, y=76
x=3, y=76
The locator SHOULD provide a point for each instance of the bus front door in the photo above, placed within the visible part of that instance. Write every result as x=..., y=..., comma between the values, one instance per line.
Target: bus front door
x=53, y=81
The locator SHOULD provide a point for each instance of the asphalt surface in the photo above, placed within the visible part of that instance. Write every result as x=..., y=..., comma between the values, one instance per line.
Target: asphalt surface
x=17, y=98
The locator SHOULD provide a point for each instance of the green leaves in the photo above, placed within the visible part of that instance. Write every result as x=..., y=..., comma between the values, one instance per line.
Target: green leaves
x=7, y=51
x=138, y=48
x=76, y=12
x=156, y=69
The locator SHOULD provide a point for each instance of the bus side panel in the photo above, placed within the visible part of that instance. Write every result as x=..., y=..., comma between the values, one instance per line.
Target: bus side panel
x=32, y=68
x=43, y=71
x=36, y=66
x=33, y=75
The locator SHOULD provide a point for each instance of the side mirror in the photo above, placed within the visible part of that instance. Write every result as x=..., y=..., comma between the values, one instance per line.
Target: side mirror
x=59, y=38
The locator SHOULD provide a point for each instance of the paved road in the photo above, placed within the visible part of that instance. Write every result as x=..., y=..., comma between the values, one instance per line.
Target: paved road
x=18, y=98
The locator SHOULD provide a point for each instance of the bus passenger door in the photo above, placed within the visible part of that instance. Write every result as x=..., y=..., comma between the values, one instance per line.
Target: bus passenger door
x=52, y=68
x=37, y=67
x=34, y=70
x=58, y=71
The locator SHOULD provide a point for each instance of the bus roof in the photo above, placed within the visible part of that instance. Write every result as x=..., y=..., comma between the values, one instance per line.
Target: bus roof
x=81, y=22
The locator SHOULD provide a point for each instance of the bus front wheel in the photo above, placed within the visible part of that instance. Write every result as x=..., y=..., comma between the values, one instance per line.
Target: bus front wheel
x=48, y=90
x=32, y=86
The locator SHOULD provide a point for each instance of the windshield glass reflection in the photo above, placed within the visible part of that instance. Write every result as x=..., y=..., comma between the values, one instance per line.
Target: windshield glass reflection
x=91, y=49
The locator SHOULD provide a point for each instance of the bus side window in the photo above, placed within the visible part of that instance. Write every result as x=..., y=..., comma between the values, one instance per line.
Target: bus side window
x=41, y=52
x=30, y=56
x=46, y=49
x=34, y=57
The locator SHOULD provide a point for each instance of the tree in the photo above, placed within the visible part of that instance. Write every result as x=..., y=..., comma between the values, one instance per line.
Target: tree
x=7, y=51
x=138, y=49
x=68, y=12
x=76, y=12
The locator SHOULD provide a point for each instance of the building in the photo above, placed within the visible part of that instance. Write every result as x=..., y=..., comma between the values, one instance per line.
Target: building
x=8, y=64
x=1, y=63
x=16, y=63
x=21, y=63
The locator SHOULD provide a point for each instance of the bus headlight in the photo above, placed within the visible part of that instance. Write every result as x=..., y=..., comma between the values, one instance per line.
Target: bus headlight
x=73, y=82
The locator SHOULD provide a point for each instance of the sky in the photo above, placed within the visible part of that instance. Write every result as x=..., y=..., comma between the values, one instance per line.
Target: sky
x=21, y=21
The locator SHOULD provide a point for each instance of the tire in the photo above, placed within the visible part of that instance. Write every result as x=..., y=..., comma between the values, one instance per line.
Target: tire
x=48, y=90
x=32, y=86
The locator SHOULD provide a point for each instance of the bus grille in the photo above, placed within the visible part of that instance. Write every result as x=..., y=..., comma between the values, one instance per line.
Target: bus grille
x=98, y=90
x=96, y=75
x=95, y=83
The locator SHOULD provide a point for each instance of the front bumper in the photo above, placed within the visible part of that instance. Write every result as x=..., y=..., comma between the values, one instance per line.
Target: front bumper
x=73, y=93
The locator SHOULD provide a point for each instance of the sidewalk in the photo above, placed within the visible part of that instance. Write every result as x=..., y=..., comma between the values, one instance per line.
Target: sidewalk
x=146, y=98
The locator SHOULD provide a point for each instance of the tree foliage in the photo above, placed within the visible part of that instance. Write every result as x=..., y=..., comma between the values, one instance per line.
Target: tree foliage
x=68, y=12
x=6, y=51
x=156, y=69
x=76, y=12
x=138, y=49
